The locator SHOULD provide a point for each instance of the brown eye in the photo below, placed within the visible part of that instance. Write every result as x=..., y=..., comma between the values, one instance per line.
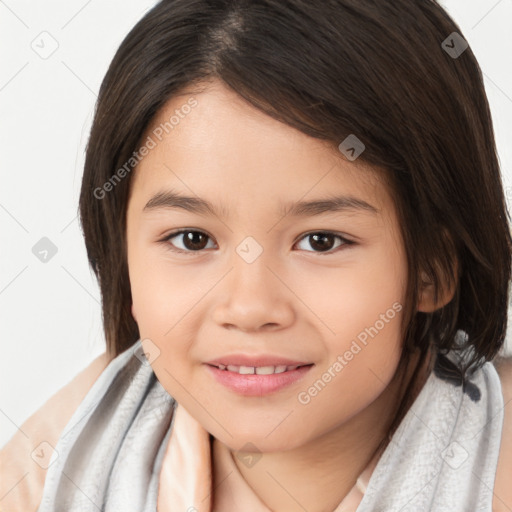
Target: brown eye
x=324, y=241
x=191, y=241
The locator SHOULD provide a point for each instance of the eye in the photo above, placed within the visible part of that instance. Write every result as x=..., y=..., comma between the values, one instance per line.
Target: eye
x=193, y=241
x=324, y=240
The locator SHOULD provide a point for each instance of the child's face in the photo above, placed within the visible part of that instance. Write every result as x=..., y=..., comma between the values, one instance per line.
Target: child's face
x=254, y=283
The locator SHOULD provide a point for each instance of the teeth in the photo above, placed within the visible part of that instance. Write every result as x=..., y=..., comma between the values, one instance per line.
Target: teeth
x=258, y=370
x=265, y=370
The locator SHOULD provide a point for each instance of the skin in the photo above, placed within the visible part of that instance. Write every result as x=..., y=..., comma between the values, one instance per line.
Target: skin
x=294, y=300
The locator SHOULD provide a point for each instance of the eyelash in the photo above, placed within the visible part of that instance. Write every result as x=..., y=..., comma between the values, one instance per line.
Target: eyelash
x=345, y=241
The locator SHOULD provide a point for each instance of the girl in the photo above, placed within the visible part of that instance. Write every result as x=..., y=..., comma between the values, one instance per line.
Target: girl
x=296, y=217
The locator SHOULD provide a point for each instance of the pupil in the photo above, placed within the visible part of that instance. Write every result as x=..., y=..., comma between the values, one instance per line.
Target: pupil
x=191, y=241
x=321, y=245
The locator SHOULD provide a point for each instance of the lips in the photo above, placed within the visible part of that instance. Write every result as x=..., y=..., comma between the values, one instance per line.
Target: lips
x=257, y=375
x=256, y=383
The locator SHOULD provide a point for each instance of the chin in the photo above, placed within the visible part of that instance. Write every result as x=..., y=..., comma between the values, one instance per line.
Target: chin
x=256, y=440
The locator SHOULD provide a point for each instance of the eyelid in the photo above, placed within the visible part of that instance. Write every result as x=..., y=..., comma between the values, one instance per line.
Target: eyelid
x=345, y=241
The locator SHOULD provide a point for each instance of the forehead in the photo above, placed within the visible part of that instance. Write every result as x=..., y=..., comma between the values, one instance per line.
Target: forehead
x=209, y=142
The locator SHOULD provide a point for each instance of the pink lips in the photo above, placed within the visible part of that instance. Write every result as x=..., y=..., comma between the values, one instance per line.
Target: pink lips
x=253, y=384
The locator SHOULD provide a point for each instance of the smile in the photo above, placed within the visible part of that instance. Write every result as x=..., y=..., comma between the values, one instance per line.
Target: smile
x=257, y=380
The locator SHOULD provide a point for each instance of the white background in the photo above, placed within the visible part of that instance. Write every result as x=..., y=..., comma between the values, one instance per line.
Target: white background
x=50, y=312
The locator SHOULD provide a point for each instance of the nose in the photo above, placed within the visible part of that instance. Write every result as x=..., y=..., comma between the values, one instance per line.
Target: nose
x=253, y=297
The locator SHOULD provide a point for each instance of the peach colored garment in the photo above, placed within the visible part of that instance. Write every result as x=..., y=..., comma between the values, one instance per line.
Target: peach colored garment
x=21, y=477
x=186, y=474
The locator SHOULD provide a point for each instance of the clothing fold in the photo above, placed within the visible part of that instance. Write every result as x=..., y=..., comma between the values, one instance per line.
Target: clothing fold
x=109, y=454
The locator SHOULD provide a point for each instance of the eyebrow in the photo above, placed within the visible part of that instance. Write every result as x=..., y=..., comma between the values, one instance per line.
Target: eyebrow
x=169, y=199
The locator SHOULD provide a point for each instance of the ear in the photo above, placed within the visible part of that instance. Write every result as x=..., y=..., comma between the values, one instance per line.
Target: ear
x=448, y=283
x=427, y=302
x=133, y=313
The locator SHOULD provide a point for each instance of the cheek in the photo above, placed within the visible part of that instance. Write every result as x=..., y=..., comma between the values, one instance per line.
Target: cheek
x=370, y=324
x=165, y=299
x=161, y=292
x=353, y=297
x=363, y=309
x=360, y=365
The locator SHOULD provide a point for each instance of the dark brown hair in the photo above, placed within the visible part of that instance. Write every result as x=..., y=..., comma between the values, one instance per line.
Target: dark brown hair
x=372, y=68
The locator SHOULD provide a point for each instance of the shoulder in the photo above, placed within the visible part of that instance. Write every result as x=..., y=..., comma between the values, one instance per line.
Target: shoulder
x=22, y=479
x=502, y=501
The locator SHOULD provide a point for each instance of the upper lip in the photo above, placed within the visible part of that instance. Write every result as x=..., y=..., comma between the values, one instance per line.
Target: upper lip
x=261, y=360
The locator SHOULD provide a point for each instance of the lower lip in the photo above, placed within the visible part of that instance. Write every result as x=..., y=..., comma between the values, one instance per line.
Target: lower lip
x=257, y=385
